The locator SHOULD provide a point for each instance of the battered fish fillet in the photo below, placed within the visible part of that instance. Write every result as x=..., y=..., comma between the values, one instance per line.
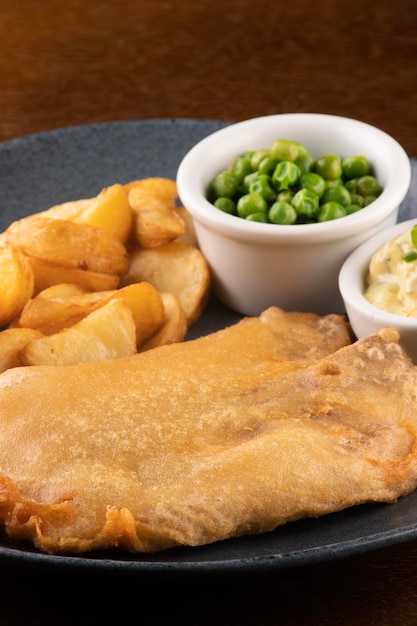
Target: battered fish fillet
x=234, y=433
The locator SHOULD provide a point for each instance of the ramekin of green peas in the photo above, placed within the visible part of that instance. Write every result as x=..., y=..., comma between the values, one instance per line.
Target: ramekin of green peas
x=285, y=247
x=284, y=184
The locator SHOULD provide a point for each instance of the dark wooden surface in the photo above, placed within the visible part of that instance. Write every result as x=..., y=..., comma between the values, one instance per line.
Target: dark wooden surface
x=73, y=62
x=78, y=61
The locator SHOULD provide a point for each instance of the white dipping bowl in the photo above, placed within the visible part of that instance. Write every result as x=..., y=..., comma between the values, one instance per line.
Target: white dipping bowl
x=364, y=317
x=256, y=265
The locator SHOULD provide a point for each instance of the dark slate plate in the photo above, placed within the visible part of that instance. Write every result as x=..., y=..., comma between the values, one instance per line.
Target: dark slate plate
x=48, y=168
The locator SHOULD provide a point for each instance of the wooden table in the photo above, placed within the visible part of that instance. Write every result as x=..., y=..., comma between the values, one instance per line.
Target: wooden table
x=76, y=62
x=73, y=62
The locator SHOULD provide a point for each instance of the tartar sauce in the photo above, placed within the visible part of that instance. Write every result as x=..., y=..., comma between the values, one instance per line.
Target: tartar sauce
x=392, y=277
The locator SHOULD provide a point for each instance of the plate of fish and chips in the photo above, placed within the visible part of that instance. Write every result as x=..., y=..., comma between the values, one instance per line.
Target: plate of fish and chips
x=57, y=169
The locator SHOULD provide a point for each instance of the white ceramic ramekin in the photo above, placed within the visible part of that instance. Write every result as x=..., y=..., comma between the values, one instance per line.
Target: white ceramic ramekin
x=364, y=317
x=256, y=265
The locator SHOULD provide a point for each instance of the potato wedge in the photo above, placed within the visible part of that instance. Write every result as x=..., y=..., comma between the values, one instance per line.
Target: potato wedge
x=173, y=330
x=155, y=218
x=174, y=267
x=62, y=291
x=59, y=307
x=49, y=274
x=163, y=188
x=12, y=340
x=69, y=244
x=147, y=308
x=111, y=212
x=51, y=313
x=17, y=283
x=67, y=210
x=107, y=333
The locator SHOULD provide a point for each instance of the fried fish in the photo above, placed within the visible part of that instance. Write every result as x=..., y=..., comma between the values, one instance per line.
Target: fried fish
x=270, y=420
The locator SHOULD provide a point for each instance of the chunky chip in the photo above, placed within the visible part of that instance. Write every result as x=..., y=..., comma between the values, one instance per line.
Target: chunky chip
x=147, y=306
x=155, y=218
x=48, y=274
x=69, y=244
x=174, y=328
x=63, y=306
x=17, y=282
x=62, y=291
x=107, y=333
x=174, y=267
x=111, y=212
x=69, y=210
x=50, y=312
x=12, y=340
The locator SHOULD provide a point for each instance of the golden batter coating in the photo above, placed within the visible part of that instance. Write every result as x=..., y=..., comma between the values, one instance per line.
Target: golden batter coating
x=234, y=433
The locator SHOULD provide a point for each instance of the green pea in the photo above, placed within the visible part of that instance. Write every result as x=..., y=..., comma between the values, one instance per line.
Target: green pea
x=241, y=167
x=356, y=198
x=248, y=154
x=226, y=204
x=334, y=183
x=352, y=185
x=306, y=202
x=286, y=175
x=282, y=213
x=246, y=183
x=251, y=203
x=313, y=181
x=267, y=165
x=329, y=166
x=263, y=186
x=286, y=195
x=339, y=194
x=258, y=217
x=257, y=157
x=355, y=167
x=331, y=211
x=285, y=150
x=368, y=200
x=305, y=163
x=302, y=150
x=225, y=185
x=369, y=186
x=352, y=208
